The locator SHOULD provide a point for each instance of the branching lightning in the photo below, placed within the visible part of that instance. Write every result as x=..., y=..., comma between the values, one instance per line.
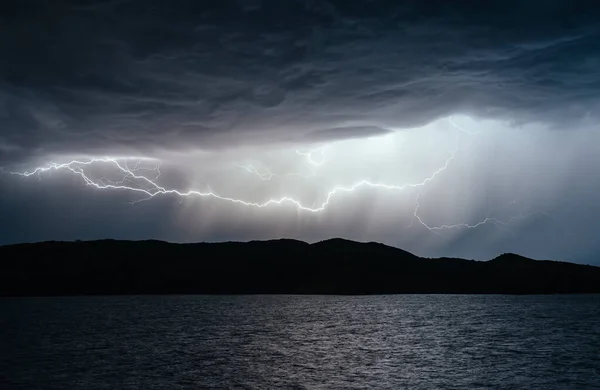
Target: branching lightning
x=268, y=174
x=309, y=156
x=460, y=128
x=488, y=220
x=150, y=188
x=143, y=180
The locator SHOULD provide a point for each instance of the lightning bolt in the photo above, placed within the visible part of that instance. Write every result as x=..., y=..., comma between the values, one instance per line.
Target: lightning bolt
x=488, y=220
x=147, y=186
x=309, y=156
x=460, y=128
x=269, y=174
x=132, y=181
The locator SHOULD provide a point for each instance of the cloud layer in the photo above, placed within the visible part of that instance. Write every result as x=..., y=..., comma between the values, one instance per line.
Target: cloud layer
x=141, y=77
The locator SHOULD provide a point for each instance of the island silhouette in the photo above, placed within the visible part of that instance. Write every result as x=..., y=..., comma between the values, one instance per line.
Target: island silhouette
x=284, y=266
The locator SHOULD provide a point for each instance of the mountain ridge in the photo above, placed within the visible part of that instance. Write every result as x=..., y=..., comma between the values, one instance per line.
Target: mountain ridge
x=274, y=240
x=280, y=266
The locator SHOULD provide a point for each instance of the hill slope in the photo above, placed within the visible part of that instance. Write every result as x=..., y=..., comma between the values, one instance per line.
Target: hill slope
x=279, y=266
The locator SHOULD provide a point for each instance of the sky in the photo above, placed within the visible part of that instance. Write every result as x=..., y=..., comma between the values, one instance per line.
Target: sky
x=461, y=129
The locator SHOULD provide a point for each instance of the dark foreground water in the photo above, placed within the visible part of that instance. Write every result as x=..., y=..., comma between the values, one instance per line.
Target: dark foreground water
x=265, y=342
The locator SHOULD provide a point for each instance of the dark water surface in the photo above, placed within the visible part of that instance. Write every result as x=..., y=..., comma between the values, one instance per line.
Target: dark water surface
x=264, y=342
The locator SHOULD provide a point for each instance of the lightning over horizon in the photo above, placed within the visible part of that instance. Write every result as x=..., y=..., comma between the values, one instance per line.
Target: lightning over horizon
x=151, y=188
x=132, y=180
x=492, y=220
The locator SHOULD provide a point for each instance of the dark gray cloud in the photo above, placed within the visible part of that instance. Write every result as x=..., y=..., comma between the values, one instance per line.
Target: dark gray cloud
x=340, y=133
x=143, y=76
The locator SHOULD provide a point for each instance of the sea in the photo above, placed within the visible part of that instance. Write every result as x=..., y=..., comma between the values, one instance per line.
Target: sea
x=301, y=342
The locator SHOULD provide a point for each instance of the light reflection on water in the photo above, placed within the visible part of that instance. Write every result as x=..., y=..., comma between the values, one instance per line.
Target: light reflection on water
x=401, y=341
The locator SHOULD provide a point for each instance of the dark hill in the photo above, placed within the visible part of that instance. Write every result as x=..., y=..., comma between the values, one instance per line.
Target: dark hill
x=280, y=266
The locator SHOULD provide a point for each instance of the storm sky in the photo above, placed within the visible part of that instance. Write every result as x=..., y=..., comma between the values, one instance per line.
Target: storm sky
x=446, y=128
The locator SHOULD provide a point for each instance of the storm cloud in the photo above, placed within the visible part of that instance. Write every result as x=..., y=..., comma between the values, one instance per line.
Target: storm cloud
x=144, y=76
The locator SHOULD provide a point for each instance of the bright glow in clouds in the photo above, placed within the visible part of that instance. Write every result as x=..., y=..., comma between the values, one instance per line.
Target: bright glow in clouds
x=457, y=187
x=305, y=178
